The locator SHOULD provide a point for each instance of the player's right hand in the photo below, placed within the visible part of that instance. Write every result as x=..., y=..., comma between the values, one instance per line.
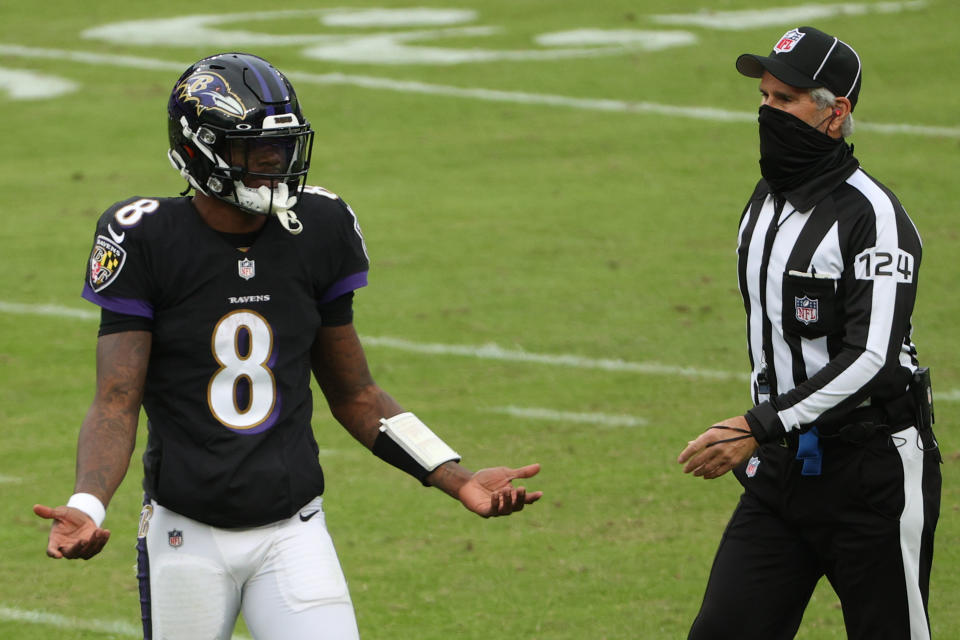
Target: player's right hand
x=73, y=533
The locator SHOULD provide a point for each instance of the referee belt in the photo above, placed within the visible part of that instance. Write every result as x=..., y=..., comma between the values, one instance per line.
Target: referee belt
x=864, y=423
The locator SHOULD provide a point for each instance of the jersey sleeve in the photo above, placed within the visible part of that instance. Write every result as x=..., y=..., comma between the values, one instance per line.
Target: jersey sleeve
x=112, y=322
x=117, y=276
x=354, y=262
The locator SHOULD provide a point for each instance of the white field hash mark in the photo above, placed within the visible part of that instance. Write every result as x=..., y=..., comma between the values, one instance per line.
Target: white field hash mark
x=482, y=352
x=473, y=93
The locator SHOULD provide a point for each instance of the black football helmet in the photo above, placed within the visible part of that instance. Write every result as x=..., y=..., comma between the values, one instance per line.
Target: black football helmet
x=237, y=134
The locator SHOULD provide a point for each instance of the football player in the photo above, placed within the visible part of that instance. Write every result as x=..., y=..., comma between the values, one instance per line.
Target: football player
x=215, y=311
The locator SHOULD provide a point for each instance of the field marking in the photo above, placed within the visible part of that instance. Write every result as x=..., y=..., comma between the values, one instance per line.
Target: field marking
x=744, y=19
x=47, y=310
x=86, y=57
x=952, y=395
x=602, y=419
x=115, y=627
x=28, y=85
x=482, y=352
x=383, y=46
x=388, y=46
x=10, y=480
x=474, y=93
x=64, y=622
x=493, y=351
x=411, y=17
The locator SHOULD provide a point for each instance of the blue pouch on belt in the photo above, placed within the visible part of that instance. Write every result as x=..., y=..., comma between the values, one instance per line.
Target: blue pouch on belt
x=810, y=450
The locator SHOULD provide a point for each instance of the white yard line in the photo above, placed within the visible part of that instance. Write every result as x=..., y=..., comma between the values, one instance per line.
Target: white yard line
x=474, y=93
x=113, y=627
x=953, y=395
x=601, y=419
x=47, y=310
x=496, y=352
x=480, y=352
x=126, y=629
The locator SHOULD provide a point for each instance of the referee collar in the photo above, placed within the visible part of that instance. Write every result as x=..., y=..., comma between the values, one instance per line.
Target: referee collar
x=807, y=196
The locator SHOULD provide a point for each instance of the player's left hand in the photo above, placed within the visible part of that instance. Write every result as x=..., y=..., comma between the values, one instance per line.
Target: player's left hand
x=713, y=460
x=490, y=492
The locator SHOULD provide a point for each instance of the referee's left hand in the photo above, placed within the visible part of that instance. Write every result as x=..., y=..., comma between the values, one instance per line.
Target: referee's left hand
x=710, y=462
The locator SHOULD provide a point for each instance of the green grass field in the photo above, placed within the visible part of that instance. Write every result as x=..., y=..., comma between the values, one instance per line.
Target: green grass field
x=553, y=280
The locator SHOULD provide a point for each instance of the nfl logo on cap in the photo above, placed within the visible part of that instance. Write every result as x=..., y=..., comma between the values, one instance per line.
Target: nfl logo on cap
x=788, y=41
x=815, y=59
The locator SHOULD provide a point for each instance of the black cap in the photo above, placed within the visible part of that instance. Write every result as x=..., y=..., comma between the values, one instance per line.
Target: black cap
x=806, y=58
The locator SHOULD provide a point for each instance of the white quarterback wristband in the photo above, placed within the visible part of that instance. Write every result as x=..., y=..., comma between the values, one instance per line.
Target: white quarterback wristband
x=416, y=438
x=90, y=505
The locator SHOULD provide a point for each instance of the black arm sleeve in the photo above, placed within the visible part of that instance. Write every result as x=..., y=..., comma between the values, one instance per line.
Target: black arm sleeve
x=338, y=311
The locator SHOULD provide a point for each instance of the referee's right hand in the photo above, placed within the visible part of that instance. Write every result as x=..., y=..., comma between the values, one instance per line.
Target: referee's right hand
x=718, y=449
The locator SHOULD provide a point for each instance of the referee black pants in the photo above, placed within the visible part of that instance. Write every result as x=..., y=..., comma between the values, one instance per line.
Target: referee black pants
x=866, y=523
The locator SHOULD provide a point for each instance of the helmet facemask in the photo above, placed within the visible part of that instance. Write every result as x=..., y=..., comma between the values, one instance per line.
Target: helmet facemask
x=257, y=170
x=237, y=134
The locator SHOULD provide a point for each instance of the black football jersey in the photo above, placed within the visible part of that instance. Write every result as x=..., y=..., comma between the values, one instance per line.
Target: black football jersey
x=227, y=395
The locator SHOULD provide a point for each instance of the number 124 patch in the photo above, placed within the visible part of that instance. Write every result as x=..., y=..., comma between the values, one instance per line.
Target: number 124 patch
x=873, y=264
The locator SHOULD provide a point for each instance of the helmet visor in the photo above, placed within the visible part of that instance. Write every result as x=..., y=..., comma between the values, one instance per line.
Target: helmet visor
x=270, y=157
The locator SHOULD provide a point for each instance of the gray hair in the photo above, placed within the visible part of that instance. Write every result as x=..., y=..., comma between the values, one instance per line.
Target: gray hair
x=825, y=99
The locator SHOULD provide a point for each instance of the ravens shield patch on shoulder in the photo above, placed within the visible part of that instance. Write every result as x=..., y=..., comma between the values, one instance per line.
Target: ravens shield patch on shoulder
x=106, y=261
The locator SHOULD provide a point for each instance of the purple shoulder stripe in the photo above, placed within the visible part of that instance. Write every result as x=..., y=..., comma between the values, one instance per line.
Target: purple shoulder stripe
x=340, y=287
x=126, y=306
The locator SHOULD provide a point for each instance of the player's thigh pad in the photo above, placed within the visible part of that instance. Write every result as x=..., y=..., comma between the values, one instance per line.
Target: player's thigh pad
x=300, y=591
x=192, y=595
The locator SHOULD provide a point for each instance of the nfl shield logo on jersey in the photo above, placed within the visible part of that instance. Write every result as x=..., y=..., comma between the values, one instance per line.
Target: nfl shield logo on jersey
x=175, y=538
x=752, y=466
x=807, y=309
x=246, y=268
x=788, y=41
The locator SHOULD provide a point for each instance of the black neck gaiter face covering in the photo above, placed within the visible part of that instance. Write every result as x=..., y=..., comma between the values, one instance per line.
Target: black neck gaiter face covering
x=792, y=153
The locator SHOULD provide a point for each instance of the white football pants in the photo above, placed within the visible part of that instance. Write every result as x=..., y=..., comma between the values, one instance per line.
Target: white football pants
x=284, y=577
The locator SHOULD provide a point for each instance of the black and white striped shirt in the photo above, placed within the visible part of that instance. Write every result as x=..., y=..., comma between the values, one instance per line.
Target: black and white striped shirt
x=828, y=294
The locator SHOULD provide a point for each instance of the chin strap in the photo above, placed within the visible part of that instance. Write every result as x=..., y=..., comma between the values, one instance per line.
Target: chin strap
x=289, y=221
x=266, y=201
x=261, y=200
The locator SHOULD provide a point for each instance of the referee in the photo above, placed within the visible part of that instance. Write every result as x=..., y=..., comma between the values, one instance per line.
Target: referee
x=837, y=458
